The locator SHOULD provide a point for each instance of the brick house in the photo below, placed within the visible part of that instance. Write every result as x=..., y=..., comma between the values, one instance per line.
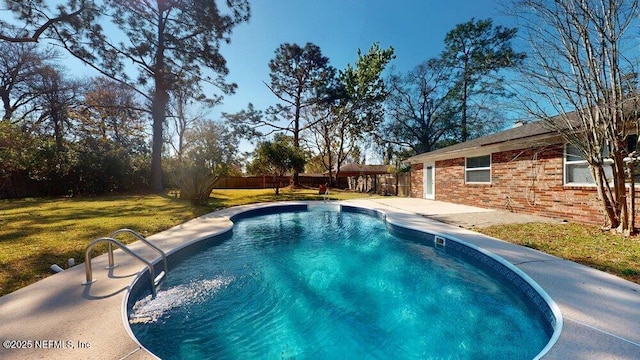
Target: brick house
x=526, y=169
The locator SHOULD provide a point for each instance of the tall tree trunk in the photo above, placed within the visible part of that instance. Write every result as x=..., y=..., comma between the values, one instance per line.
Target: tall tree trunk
x=276, y=182
x=296, y=135
x=330, y=159
x=158, y=106
x=58, y=126
x=621, y=192
x=8, y=112
x=604, y=194
x=632, y=196
x=463, y=122
x=327, y=146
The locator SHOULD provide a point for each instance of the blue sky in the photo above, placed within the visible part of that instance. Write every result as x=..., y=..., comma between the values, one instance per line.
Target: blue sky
x=415, y=28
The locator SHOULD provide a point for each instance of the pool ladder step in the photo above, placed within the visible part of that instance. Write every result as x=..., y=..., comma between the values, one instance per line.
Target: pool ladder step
x=155, y=280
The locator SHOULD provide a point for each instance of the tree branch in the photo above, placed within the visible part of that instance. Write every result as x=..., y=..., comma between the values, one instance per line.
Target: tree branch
x=39, y=31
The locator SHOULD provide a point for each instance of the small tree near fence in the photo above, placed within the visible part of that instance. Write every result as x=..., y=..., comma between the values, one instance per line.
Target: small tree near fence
x=277, y=158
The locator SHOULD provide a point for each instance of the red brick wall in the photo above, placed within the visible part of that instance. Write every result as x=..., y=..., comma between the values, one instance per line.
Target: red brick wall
x=524, y=181
x=416, y=184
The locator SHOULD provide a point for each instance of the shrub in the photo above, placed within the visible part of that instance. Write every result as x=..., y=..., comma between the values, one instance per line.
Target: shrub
x=195, y=183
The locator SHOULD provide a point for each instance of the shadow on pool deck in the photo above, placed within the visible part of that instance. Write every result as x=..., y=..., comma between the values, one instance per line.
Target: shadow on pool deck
x=57, y=318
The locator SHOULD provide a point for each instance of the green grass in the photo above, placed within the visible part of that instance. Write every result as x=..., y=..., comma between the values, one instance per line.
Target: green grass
x=581, y=243
x=35, y=233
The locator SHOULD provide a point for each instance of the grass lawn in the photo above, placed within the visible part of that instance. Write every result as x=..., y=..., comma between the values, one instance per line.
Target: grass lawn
x=584, y=244
x=35, y=233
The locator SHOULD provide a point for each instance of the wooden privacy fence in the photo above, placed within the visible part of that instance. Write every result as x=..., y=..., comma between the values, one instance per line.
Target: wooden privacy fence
x=268, y=182
x=393, y=184
x=384, y=184
x=250, y=182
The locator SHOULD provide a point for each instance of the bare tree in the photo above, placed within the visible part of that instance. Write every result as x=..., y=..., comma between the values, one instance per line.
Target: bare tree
x=112, y=110
x=578, y=69
x=58, y=96
x=331, y=136
x=184, y=113
x=420, y=107
x=20, y=68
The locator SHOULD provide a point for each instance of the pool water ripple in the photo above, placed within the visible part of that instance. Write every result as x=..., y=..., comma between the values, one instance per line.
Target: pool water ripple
x=326, y=284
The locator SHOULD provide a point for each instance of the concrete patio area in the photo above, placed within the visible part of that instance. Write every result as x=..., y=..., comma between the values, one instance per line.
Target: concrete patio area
x=58, y=318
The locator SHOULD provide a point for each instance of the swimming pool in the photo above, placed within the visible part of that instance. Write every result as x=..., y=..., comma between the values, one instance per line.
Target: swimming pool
x=291, y=283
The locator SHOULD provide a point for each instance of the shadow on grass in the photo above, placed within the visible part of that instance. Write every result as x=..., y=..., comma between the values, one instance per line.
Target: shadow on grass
x=22, y=272
x=48, y=213
x=27, y=270
x=67, y=225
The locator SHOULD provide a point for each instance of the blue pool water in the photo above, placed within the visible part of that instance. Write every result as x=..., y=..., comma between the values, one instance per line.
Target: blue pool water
x=332, y=285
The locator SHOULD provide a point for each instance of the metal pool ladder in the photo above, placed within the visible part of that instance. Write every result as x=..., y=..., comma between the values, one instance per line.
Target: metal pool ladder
x=155, y=280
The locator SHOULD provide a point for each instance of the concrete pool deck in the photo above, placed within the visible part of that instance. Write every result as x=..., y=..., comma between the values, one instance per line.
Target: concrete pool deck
x=57, y=318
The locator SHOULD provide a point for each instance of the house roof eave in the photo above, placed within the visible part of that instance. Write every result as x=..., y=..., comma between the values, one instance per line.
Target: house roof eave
x=485, y=149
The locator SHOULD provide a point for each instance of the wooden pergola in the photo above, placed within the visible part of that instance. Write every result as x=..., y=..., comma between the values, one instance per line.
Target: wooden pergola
x=362, y=177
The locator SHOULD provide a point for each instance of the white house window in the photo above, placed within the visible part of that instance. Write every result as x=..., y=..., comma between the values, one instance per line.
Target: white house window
x=478, y=169
x=576, y=168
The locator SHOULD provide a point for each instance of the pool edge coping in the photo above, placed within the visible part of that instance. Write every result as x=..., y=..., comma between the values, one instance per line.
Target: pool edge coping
x=553, y=306
x=238, y=212
x=599, y=310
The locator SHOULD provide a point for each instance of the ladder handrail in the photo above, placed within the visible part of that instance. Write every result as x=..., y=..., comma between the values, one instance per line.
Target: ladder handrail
x=141, y=238
x=89, y=270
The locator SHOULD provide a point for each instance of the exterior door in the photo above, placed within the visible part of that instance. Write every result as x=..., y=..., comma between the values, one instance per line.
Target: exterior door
x=429, y=181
